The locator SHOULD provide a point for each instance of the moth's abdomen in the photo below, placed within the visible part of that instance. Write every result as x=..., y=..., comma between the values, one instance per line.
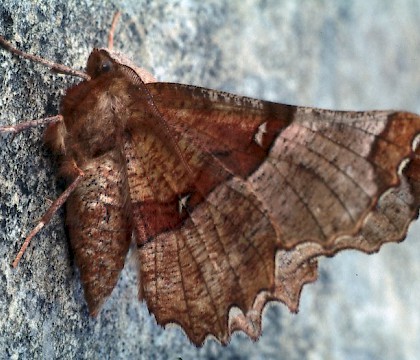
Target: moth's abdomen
x=99, y=227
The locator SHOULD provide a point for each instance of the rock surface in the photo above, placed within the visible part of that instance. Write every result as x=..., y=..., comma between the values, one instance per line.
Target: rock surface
x=333, y=53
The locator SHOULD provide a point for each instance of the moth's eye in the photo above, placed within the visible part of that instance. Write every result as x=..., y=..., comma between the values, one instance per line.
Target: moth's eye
x=105, y=67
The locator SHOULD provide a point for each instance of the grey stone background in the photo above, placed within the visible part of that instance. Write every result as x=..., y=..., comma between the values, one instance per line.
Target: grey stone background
x=328, y=53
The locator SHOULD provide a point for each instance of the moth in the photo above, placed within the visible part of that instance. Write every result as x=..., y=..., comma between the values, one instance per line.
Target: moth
x=229, y=200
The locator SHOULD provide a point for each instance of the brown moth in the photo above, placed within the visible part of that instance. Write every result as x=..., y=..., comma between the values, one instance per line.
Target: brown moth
x=230, y=200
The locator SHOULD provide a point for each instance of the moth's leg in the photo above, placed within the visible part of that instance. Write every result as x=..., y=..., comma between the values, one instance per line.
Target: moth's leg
x=49, y=214
x=52, y=65
x=112, y=30
x=14, y=129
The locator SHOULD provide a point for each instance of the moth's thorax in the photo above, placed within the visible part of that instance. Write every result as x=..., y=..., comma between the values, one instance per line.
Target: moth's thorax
x=96, y=111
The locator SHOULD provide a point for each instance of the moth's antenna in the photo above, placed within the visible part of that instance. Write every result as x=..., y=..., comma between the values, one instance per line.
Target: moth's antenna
x=52, y=65
x=112, y=30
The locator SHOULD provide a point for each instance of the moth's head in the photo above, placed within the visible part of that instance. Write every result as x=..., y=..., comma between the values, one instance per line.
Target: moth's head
x=100, y=63
x=103, y=61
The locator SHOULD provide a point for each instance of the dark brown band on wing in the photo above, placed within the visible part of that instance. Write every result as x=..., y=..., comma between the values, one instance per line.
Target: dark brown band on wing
x=157, y=217
x=230, y=121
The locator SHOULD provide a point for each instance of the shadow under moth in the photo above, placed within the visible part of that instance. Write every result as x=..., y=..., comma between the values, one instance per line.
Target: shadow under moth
x=229, y=200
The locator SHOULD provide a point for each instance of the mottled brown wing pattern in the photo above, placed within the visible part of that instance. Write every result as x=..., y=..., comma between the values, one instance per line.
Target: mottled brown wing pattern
x=196, y=244
x=166, y=178
x=313, y=178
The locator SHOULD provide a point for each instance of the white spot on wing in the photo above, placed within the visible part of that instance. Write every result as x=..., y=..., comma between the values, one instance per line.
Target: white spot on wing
x=416, y=142
x=258, y=137
x=183, y=203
